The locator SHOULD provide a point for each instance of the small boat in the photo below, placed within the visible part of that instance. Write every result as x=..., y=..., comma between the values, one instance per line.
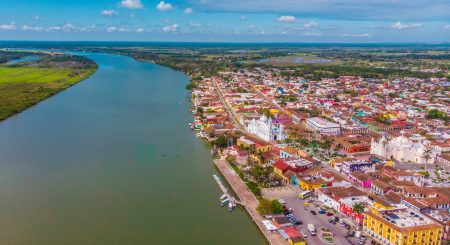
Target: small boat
x=223, y=197
x=230, y=206
x=224, y=202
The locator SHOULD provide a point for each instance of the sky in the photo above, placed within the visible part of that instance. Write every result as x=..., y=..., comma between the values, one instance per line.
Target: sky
x=328, y=21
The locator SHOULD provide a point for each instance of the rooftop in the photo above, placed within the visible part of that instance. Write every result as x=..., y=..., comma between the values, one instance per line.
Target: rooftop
x=406, y=218
x=322, y=122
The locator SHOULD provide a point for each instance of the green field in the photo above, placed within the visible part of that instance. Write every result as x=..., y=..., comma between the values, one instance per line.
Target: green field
x=22, y=87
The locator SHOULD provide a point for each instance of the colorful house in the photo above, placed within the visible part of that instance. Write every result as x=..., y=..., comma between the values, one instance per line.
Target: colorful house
x=401, y=226
x=297, y=241
x=361, y=179
x=309, y=183
x=347, y=204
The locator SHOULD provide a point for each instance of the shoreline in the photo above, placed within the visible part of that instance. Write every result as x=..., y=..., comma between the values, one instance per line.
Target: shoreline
x=88, y=72
x=247, y=198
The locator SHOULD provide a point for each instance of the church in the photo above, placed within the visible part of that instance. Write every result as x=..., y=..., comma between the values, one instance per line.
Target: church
x=402, y=149
x=266, y=129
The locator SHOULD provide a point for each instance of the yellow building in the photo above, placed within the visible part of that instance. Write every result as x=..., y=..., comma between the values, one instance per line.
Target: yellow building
x=401, y=227
x=263, y=148
x=311, y=184
x=253, y=146
x=297, y=241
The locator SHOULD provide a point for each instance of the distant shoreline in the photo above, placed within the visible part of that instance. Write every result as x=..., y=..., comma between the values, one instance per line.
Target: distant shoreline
x=23, y=87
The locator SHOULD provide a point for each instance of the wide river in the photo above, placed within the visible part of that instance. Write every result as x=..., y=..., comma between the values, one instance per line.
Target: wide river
x=112, y=160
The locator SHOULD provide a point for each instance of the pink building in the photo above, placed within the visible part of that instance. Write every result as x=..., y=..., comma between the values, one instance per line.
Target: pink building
x=361, y=179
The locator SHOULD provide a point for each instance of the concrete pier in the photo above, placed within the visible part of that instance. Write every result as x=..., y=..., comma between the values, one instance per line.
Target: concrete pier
x=248, y=200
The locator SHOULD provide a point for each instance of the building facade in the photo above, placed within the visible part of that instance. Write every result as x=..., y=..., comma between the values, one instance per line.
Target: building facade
x=323, y=126
x=266, y=129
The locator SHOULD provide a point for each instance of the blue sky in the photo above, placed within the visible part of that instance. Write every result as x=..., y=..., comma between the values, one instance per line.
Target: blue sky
x=227, y=20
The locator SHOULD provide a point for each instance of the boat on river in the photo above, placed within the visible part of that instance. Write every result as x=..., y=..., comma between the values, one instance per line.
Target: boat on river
x=225, y=202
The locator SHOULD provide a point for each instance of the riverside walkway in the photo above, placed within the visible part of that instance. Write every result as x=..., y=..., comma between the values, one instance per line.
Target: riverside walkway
x=248, y=200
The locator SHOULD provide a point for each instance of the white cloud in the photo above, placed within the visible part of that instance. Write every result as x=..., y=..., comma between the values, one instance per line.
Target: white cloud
x=383, y=10
x=163, y=6
x=140, y=30
x=362, y=35
x=243, y=17
x=87, y=28
x=171, y=28
x=286, y=18
x=32, y=28
x=312, y=34
x=252, y=26
x=70, y=27
x=9, y=27
x=399, y=26
x=108, y=12
x=446, y=27
x=37, y=17
x=132, y=4
x=53, y=28
x=195, y=24
x=188, y=11
x=111, y=29
x=117, y=29
x=311, y=24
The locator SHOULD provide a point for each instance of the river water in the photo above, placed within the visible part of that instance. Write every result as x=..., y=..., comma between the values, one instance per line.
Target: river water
x=111, y=160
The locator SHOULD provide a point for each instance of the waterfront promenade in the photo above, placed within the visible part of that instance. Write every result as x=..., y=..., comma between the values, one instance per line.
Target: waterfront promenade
x=247, y=198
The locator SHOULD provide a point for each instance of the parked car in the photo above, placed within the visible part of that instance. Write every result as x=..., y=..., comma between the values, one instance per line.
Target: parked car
x=322, y=211
x=329, y=214
x=313, y=212
x=331, y=221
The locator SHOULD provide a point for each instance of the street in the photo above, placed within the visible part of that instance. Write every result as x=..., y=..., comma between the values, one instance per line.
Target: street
x=290, y=195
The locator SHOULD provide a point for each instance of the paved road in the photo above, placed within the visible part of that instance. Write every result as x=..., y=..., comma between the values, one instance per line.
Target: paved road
x=319, y=220
x=274, y=104
x=248, y=199
x=227, y=108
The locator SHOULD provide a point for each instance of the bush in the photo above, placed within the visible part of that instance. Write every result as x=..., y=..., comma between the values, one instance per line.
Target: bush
x=254, y=188
x=191, y=85
x=269, y=207
x=264, y=207
x=277, y=207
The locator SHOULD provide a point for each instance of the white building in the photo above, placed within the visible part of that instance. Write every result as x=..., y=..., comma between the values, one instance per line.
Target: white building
x=323, y=126
x=266, y=130
x=401, y=149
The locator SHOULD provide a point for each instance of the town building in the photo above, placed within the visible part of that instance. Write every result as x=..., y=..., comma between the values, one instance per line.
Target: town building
x=402, y=149
x=401, y=226
x=266, y=129
x=323, y=126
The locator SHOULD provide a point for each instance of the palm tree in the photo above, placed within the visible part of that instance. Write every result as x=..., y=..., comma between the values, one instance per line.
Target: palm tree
x=427, y=155
x=358, y=208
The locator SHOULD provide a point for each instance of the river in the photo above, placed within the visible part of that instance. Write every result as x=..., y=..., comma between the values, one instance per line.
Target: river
x=112, y=160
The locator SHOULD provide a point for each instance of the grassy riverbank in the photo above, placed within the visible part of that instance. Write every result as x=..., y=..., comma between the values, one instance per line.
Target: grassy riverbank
x=25, y=84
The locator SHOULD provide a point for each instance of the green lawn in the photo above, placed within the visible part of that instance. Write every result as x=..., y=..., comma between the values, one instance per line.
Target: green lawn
x=22, y=87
